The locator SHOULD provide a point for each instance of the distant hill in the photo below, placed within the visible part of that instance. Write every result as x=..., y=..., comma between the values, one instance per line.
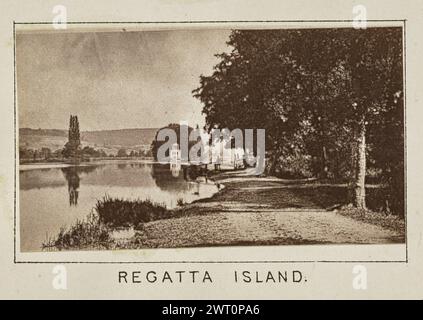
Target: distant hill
x=123, y=137
x=107, y=139
x=43, y=132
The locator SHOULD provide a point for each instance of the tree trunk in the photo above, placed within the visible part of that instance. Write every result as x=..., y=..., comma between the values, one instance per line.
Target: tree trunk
x=359, y=199
x=272, y=162
x=324, y=167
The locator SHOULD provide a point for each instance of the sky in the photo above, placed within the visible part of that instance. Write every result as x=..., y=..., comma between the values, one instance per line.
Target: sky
x=113, y=80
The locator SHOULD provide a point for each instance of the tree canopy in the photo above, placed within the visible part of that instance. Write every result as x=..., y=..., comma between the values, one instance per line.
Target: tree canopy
x=330, y=100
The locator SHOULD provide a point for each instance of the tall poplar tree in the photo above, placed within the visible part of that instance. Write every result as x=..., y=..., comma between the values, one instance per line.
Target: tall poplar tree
x=73, y=146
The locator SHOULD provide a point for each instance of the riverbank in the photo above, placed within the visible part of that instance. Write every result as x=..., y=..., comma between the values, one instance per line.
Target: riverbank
x=253, y=210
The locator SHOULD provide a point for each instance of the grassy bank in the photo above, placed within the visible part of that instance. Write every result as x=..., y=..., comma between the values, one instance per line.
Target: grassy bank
x=88, y=233
x=109, y=214
x=391, y=222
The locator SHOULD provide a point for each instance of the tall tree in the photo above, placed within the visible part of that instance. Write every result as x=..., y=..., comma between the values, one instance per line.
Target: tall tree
x=315, y=91
x=73, y=146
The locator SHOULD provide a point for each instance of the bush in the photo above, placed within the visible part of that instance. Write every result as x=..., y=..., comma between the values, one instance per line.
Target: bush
x=126, y=213
x=290, y=166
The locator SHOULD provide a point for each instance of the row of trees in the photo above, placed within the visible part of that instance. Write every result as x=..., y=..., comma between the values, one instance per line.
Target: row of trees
x=133, y=153
x=73, y=149
x=38, y=154
x=47, y=154
x=331, y=101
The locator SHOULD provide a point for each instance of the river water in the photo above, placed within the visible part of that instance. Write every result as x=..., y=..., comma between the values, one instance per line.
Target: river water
x=55, y=196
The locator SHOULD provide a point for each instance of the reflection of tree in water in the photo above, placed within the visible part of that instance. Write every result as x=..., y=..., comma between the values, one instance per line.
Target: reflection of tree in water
x=71, y=175
x=167, y=180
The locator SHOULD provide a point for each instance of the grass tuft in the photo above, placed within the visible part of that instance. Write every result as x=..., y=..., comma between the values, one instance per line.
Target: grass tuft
x=88, y=233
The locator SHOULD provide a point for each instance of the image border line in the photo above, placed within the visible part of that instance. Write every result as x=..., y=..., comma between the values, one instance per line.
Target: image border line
x=15, y=261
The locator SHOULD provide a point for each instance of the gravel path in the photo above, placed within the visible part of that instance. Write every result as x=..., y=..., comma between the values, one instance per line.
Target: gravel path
x=247, y=213
x=274, y=227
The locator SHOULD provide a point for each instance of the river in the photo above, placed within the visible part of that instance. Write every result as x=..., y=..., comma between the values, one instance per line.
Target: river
x=55, y=196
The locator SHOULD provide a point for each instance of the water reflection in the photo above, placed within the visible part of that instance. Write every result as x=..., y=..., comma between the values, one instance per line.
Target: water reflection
x=72, y=177
x=122, y=166
x=175, y=168
x=52, y=198
x=167, y=179
x=171, y=179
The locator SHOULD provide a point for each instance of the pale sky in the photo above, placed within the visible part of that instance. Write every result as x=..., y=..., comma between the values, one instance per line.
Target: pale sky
x=113, y=80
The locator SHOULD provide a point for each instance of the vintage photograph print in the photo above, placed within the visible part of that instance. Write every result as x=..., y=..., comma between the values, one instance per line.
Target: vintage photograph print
x=209, y=137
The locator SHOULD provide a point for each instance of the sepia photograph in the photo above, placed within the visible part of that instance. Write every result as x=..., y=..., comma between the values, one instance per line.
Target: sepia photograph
x=195, y=137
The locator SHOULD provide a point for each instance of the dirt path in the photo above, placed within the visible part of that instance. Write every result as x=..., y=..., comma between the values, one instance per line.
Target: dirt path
x=252, y=210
